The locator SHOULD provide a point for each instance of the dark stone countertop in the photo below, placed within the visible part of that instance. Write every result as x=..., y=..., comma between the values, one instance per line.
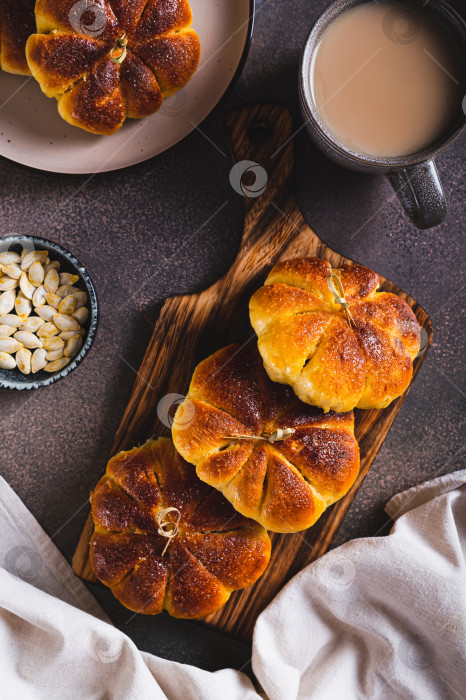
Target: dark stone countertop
x=124, y=227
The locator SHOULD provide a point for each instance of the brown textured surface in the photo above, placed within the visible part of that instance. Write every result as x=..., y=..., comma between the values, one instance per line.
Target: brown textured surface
x=92, y=91
x=285, y=486
x=127, y=227
x=307, y=342
x=17, y=22
x=215, y=551
x=191, y=327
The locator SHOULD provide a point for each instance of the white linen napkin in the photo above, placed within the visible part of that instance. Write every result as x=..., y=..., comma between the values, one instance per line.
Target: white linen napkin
x=376, y=618
x=379, y=617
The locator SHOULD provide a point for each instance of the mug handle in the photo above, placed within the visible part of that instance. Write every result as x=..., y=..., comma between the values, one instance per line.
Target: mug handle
x=420, y=192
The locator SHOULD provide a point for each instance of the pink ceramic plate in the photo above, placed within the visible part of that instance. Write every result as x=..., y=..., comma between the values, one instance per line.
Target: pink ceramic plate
x=33, y=134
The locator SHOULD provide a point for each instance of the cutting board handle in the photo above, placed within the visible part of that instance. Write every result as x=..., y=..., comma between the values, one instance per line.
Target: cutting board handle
x=262, y=134
x=261, y=141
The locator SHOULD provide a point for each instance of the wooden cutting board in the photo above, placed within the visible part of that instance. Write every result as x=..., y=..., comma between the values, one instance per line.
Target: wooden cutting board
x=191, y=327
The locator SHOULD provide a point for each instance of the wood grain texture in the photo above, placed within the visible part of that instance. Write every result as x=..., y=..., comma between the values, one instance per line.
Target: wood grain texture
x=191, y=327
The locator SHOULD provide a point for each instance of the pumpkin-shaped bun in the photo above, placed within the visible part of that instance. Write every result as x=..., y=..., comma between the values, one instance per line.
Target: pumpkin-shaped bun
x=285, y=485
x=74, y=57
x=17, y=23
x=215, y=552
x=306, y=340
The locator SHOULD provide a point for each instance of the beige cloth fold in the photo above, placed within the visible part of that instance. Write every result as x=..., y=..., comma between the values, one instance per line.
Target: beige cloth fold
x=376, y=618
x=380, y=618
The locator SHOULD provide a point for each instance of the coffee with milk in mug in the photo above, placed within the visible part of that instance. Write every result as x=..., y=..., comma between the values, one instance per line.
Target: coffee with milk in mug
x=387, y=80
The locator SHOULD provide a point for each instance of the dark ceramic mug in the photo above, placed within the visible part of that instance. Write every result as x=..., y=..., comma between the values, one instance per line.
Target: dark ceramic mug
x=414, y=177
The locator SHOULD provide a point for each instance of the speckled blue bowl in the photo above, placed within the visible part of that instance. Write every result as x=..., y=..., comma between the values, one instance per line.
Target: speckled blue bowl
x=12, y=378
